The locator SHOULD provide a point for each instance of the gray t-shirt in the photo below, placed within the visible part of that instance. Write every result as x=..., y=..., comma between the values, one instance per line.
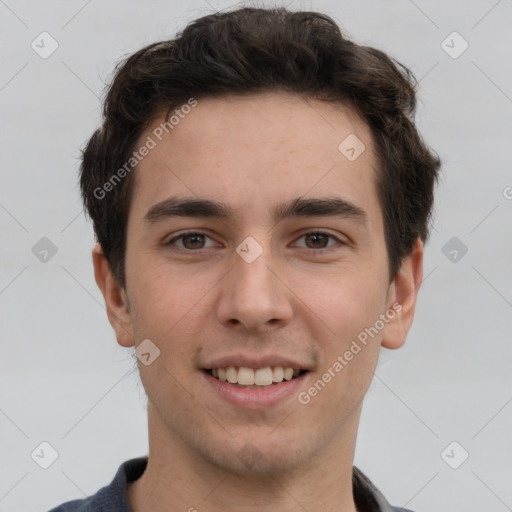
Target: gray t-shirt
x=114, y=498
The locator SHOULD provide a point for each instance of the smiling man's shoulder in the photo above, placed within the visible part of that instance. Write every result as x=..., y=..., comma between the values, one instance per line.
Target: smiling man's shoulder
x=112, y=497
x=368, y=497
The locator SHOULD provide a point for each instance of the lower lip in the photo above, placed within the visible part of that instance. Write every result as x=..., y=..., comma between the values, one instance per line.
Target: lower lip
x=255, y=398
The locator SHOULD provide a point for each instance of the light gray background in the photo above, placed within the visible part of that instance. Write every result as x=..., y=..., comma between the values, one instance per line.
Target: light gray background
x=64, y=379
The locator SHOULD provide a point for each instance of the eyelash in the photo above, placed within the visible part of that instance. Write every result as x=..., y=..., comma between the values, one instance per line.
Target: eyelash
x=324, y=249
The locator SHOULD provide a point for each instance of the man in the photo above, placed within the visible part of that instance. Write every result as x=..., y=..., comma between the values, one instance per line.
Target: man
x=261, y=197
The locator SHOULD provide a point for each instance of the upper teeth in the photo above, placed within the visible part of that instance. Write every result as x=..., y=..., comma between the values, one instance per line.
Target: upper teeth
x=249, y=376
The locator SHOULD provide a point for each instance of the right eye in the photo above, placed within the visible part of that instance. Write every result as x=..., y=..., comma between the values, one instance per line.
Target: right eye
x=190, y=241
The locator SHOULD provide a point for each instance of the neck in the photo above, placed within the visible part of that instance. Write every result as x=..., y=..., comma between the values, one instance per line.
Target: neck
x=177, y=477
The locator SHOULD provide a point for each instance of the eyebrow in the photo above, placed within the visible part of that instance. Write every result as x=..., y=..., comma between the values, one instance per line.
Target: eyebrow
x=299, y=207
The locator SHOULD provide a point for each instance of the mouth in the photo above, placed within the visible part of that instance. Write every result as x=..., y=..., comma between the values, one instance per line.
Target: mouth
x=255, y=378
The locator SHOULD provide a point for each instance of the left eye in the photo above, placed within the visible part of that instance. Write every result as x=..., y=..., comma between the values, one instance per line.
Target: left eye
x=194, y=241
x=319, y=239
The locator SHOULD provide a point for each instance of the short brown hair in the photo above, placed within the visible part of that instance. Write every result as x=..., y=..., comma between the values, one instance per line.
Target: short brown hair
x=249, y=50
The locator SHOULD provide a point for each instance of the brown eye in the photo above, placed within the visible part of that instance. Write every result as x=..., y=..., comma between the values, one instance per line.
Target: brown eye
x=320, y=240
x=193, y=241
x=189, y=241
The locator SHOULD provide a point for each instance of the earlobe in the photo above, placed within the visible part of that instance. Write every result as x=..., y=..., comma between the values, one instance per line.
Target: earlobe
x=116, y=300
x=403, y=293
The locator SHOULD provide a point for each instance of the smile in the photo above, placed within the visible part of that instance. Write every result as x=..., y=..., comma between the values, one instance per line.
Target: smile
x=255, y=378
x=254, y=396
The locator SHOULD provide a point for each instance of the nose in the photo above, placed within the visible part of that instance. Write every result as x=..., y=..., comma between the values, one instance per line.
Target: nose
x=255, y=295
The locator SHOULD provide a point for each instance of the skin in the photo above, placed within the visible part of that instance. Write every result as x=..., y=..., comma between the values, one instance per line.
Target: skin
x=303, y=298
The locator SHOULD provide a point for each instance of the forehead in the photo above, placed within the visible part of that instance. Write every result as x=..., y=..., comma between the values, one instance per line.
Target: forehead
x=254, y=150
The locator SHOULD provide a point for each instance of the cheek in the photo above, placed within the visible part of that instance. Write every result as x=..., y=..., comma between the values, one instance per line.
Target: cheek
x=170, y=309
x=346, y=303
x=348, y=361
x=348, y=311
x=162, y=291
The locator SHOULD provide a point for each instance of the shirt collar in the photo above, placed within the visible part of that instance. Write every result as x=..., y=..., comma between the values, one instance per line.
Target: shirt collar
x=366, y=496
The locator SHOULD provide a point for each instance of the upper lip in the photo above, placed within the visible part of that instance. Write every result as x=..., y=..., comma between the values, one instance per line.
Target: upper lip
x=255, y=362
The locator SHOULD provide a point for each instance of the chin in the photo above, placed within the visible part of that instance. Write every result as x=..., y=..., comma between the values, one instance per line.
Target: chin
x=256, y=457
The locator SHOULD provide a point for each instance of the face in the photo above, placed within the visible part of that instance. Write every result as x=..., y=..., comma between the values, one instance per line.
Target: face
x=289, y=269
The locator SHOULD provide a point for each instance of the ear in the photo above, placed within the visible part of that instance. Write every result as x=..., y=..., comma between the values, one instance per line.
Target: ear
x=402, y=294
x=116, y=300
